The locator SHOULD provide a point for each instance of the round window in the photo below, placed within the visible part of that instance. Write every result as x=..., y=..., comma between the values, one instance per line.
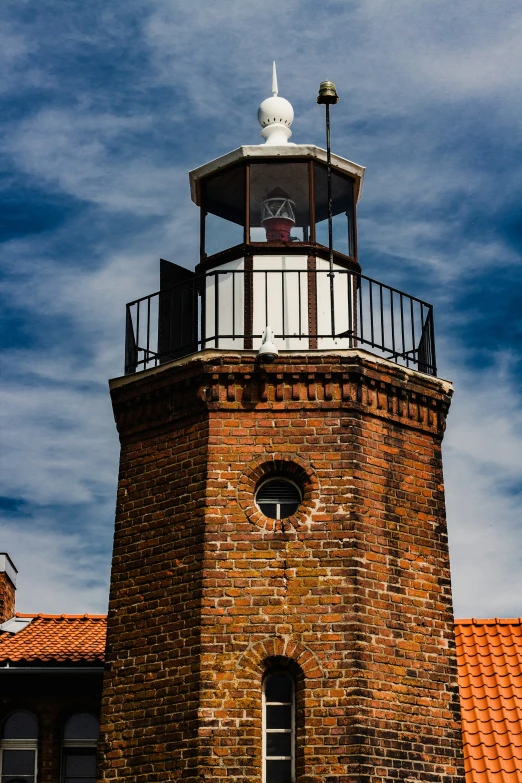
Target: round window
x=278, y=498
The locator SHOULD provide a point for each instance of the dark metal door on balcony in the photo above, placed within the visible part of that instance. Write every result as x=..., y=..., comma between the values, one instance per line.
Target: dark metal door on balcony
x=178, y=312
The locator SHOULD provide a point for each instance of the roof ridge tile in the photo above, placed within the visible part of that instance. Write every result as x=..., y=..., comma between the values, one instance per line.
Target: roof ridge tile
x=488, y=621
x=44, y=616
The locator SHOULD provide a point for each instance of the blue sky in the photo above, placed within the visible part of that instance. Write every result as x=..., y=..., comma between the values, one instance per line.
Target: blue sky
x=106, y=107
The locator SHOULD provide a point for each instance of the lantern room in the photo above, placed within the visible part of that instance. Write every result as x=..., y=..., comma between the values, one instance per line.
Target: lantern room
x=269, y=200
x=264, y=212
x=277, y=262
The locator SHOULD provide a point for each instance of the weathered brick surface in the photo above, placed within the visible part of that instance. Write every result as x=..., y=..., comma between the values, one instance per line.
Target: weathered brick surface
x=153, y=639
x=353, y=593
x=7, y=597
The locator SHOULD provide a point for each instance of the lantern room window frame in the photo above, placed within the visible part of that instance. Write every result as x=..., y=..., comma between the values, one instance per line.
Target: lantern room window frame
x=249, y=247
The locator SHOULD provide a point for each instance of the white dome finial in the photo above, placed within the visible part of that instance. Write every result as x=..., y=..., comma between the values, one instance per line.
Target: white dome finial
x=275, y=116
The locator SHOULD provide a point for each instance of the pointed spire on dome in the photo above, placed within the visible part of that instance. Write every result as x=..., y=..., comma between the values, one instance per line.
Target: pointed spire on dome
x=275, y=115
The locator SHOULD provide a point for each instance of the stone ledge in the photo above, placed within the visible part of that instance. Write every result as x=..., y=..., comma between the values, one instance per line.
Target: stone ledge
x=212, y=381
x=295, y=359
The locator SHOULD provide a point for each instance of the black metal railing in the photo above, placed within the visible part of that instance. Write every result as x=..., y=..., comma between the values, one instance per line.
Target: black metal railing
x=229, y=309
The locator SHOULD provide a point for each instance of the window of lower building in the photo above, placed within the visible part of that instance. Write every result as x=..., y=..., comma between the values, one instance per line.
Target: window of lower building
x=79, y=765
x=278, y=728
x=18, y=748
x=80, y=737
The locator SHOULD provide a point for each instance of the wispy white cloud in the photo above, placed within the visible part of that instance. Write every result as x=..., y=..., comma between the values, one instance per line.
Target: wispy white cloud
x=58, y=571
x=16, y=63
x=59, y=444
x=86, y=155
x=483, y=467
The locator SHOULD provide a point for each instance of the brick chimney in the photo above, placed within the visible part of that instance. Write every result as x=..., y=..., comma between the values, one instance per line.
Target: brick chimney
x=8, y=572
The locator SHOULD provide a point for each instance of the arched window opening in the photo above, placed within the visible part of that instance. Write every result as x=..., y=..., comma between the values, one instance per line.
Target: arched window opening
x=80, y=736
x=278, y=728
x=278, y=498
x=18, y=748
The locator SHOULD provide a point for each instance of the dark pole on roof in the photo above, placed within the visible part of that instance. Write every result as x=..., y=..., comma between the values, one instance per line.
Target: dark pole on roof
x=328, y=96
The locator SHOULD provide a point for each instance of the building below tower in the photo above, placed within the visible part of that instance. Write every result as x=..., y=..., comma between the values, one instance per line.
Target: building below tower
x=52, y=668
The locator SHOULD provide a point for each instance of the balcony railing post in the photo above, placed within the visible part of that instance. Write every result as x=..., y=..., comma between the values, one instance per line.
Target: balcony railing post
x=349, y=291
x=216, y=310
x=432, y=340
x=131, y=352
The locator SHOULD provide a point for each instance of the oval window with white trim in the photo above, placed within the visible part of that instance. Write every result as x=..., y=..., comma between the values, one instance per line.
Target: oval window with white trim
x=278, y=498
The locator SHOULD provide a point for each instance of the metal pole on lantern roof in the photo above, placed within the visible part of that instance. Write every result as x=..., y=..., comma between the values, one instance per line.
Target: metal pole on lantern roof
x=328, y=96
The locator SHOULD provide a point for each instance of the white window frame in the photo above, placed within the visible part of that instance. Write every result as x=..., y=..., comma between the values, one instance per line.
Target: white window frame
x=19, y=744
x=291, y=731
x=75, y=743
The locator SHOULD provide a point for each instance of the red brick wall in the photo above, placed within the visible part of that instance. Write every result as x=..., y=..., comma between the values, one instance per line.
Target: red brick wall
x=353, y=592
x=7, y=597
x=153, y=640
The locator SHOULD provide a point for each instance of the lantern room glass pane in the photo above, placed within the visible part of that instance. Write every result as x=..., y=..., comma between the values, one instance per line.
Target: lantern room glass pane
x=279, y=202
x=223, y=209
x=220, y=234
x=342, y=210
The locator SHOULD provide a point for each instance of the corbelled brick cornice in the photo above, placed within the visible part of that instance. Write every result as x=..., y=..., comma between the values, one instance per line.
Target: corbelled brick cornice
x=211, y=380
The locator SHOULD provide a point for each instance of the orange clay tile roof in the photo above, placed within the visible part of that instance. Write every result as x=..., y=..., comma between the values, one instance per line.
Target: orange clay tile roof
x=489, y=655
x=55, y=637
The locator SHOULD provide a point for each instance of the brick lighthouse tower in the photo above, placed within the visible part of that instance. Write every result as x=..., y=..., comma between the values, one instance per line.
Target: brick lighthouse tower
x=280, y=606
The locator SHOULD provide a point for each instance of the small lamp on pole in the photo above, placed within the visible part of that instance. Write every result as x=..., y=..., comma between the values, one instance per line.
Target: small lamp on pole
x=328, y=96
